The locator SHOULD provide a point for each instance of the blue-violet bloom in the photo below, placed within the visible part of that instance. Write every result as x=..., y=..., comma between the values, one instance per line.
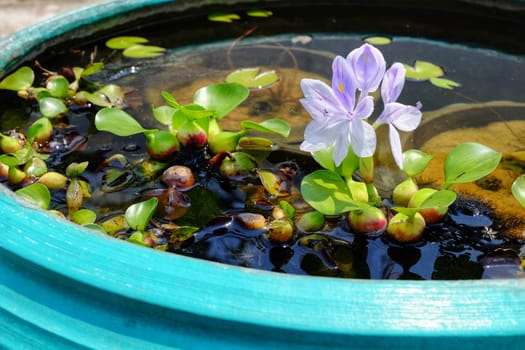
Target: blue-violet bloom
x=398, y=116
x=338, y=119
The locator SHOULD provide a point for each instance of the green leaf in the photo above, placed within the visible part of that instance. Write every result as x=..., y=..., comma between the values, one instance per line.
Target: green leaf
x=325, y=158
x=518, y=189
x=444, y=83
x=469, y=162
x=95, y=227
x=288, y=209
x=170, y=100
x=163, y=114
x=139, y=214
x=223, y=17
x=252, y=78
x=276, y=126
x=221, y=98
x=406, y=211
x=75, y=169
x=137, y=238
x=107, y=96
x=441, y=198
x=57, y=86
x=38, y=126
x=423, y=70
x=118, y=122
x=84, y=216
x=378, y=40
x=22, y=79
x=143, y=51
x=51, y=107
x=37, y=194
x=327, y=193
x=90, y=69
x=259, y=13
x=415, y=162
x=123, y=42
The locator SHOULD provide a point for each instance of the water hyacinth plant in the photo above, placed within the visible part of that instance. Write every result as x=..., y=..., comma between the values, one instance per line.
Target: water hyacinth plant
x=342, y=139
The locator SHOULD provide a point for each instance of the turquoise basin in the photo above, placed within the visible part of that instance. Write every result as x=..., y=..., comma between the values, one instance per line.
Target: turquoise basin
x=63, y=287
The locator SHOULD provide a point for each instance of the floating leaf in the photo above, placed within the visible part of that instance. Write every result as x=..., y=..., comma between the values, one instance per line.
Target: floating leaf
x=259, y=13
x=22, y=79
x=139, y=214
x=223, y=17
x=378, y=40
x=117, y=122
x=423, y=70
x=444, y=83
x=51, y=107
x=37, y=194
x=57, y=86
x=84, y=216
x=275, y=126
x=469, y=162
x=123, y=42
x=518, y=189
x=327, y=193
x=91, y=68
x=415, y=161
x=143, y=51
x=107, y=96
x=221, y=98
x=253, y=78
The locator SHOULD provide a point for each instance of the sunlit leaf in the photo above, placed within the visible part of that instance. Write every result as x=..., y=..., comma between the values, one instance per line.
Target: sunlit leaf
x=163, y=114
x=75, y=169
x=123, y=42
x=221, y=98
x=143, y=51
x=39, y=127
x=423, y=70
x=259, y=13
x=441, y=198
x=327, y=193
x=223, y=17
x=518, y=189
x=84, y=216
x=415, y=161
x=22, y=79
x=91, y=68
x=51, y=107
x=57, y=86
x=138, y=215
x=378, y=40
x=469, y=162
x=288, y=209
x=444, y=83
x=118, y=122
x=276, y=126
x=37, y=194
x=253, y=78
x=137, y=238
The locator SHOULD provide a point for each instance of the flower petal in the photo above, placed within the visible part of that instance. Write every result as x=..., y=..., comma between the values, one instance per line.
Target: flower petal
x=363, y=138
x=368, y=66
x=403, y=117
x=393, y=83
x=395, y=145
x=342, y=143
x=319, y=135
x=343, y=83
x=319, y=100
x=364, y=108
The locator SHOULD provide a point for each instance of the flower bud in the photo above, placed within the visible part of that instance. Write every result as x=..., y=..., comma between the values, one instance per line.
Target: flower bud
x=403, y=192
x=161, y=145
x=404, y=228
x=367, y=220
x=192, y=135
x=431, y=215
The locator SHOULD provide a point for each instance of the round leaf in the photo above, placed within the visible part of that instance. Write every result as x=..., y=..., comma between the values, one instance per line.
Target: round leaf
x=223, y=17
x=378, y=40
x=518, y=189
x=442, y=198
x=37, y=194
x=123, y=42
x=118, y=122
x=276, y=126
x=221, y=98
x=469, y=162
x=415, y=161
x=84, y=216
x=139, y=214
x=50, y=107
x=163, y=114
x=259, y=13
x=143, y=51
x=423, y=70
x=22, y=79
x=251, y=78
x=327, y=193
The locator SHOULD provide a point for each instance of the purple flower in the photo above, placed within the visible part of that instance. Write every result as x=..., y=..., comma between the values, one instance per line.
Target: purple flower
x=338, y=119
x=398, y=116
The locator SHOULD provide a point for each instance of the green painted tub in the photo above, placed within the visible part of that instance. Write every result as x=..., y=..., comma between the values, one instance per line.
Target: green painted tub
x=65, y=288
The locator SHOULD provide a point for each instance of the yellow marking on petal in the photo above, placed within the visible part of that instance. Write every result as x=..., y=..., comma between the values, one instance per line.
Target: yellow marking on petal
x=341, y=87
